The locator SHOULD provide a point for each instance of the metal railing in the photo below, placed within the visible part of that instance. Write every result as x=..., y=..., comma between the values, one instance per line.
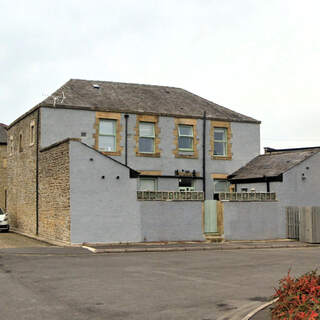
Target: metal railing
x=247, y=196
x=170, y=196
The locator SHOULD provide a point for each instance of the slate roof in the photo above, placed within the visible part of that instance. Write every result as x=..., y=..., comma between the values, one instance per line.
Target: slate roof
x=273, y=164
x=138, y=98
x=3, y=133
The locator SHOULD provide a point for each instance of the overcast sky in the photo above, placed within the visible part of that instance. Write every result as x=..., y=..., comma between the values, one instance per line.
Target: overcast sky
x=257, y=57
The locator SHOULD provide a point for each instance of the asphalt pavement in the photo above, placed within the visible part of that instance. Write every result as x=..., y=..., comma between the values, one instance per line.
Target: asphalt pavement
x=73, y=283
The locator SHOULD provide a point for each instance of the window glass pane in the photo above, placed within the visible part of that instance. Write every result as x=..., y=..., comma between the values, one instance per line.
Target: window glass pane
x=107, y=127
x=146, y=145
x=220, y=134
x=221, y=186
x=185, y=182
x=219, y=148
x=185, y=130
x=146, y=129
x=147, y=185
x=107, y=143
x=185, y=143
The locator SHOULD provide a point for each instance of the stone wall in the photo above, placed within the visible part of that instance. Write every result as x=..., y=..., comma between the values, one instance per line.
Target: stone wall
x=54, y=193
x=22, y=175
x=3, y=174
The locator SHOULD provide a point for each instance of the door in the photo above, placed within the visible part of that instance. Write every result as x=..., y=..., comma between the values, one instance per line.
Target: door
x=210, y=216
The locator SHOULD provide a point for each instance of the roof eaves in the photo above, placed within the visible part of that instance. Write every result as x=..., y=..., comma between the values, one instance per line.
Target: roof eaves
x=83, y=107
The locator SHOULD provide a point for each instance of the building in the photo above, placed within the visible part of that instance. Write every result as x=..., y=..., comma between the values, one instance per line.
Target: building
x=291, y=174
x=3, y=166
x=77, y=160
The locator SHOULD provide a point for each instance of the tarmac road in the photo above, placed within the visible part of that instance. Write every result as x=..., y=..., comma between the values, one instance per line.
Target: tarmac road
x=72, y=283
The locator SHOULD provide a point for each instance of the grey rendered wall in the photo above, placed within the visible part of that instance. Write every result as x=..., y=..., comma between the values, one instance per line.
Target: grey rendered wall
x=58, y=124
x=295, y=191
x=253, y=221
x=102, y=210
x=259, y=187
x=171, y=221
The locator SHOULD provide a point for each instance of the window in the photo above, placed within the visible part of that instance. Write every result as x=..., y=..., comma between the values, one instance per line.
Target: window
x=32, y=132
x=20, y=143
x=185, y=137
x=186, y=184
x=147, y=184
x=146, y=137
x=220, y=142
x=107, y=135
x=221, y=186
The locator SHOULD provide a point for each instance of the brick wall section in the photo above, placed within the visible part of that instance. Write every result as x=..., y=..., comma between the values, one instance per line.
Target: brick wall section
x=3, y=174
x=22, y=177
x=54, y=193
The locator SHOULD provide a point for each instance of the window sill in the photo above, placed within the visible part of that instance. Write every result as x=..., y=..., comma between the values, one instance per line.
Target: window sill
x=221, y=157
x=186, y=156
x=111, y=153
x=148, y=155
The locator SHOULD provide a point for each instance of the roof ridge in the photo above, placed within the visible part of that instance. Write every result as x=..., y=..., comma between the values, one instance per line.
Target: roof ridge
x=127, y=83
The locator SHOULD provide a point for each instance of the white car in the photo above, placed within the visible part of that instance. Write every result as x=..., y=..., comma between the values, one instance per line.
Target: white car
x=4, y=222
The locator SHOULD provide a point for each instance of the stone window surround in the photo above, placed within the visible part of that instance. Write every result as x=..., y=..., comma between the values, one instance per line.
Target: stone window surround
x=181, y=154
x=32, y=132
x=155, y=120
x=111, y=116
x=20, y=142
x=11, y=146
x=226, y=125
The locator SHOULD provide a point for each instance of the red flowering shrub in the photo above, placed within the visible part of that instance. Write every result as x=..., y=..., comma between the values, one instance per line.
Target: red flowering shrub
x=298, y=298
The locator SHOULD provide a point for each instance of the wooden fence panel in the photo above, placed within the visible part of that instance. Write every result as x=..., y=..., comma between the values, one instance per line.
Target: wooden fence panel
x=293, y=221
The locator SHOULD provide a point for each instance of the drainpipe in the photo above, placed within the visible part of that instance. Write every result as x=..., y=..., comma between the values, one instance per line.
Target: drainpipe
x=37, y=172
x=204, y=156
x=126, y=116
x=268, y=186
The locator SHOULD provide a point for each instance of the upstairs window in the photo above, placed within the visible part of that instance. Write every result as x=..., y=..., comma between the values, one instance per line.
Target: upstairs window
x=107, y=135
x=220, y=142
x=185, y=137
x=146, y=137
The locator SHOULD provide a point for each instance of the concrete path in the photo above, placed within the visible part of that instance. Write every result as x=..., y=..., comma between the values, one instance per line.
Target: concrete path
x=194, y=246
x=14, y=240
x=73, y=283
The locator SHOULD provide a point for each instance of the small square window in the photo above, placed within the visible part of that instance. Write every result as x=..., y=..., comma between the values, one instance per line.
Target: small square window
x=186, y=184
